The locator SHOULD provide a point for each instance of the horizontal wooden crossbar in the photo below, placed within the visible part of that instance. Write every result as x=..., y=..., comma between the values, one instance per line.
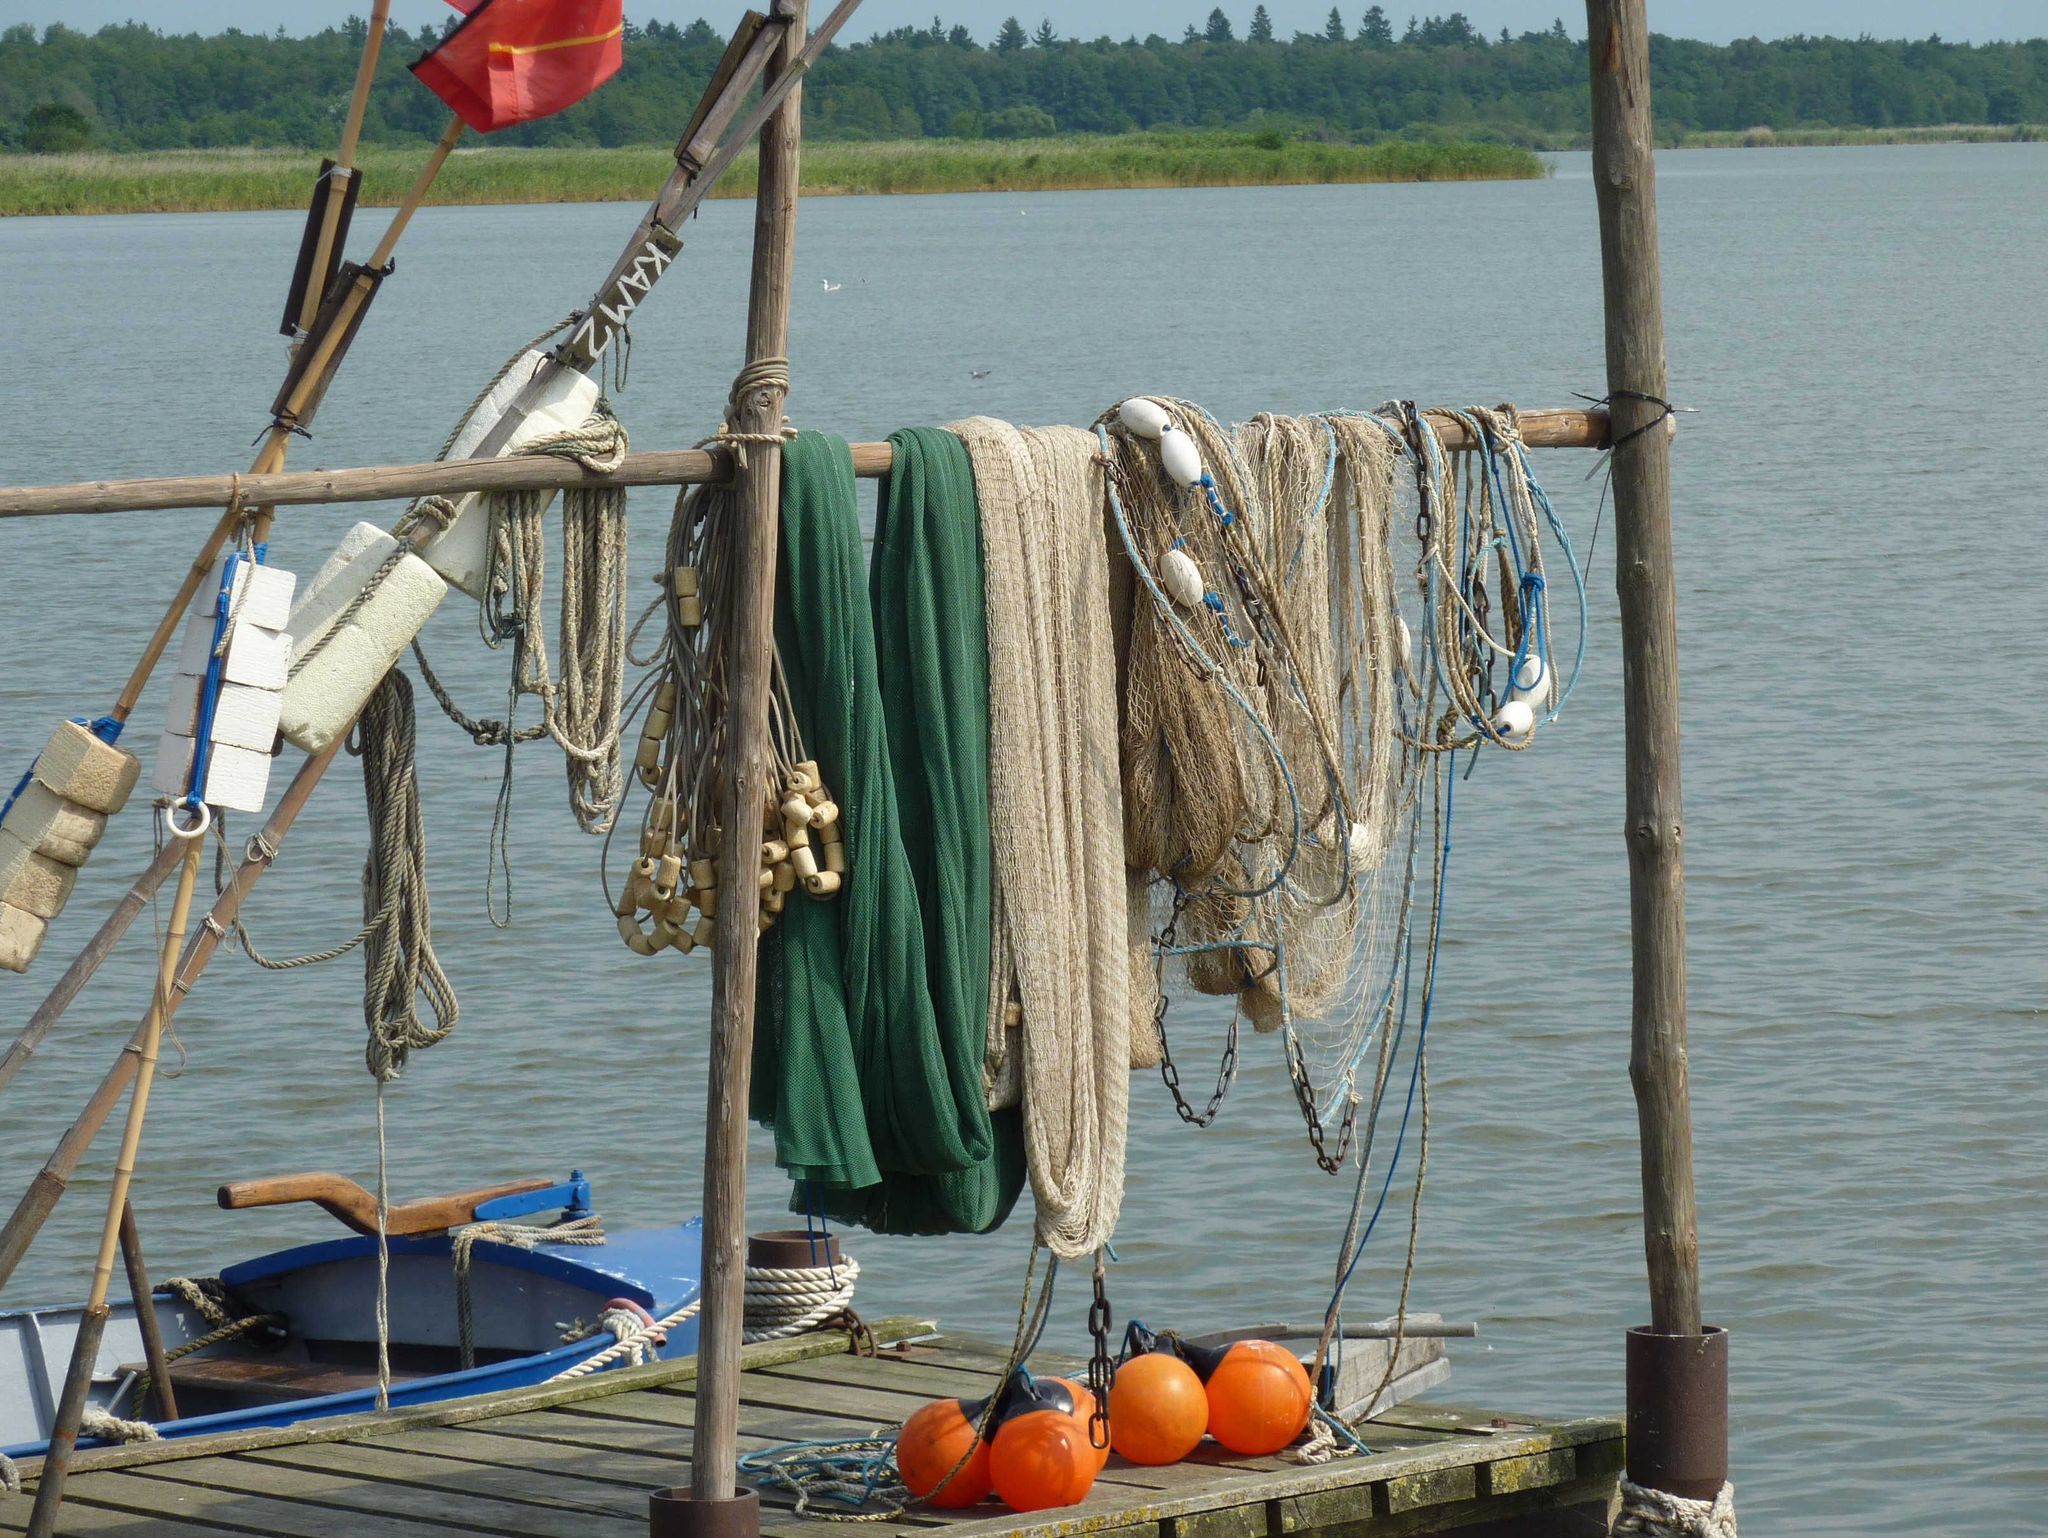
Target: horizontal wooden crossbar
x=1566, y=429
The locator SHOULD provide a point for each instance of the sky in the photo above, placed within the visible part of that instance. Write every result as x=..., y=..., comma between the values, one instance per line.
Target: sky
x=1717, y=21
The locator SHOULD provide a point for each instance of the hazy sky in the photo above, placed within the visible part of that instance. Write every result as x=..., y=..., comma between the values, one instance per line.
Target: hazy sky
x=1715, y=20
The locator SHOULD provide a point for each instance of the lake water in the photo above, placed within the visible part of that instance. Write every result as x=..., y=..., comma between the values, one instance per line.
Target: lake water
x=1860, y=501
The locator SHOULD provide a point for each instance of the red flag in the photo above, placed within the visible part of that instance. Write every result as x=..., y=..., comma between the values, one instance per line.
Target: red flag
x=511, y=61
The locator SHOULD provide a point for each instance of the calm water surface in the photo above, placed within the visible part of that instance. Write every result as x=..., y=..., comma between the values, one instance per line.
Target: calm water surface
x=1860, y=502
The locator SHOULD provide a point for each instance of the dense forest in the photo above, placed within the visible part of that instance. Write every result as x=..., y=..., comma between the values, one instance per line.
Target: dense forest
x=1363, y=77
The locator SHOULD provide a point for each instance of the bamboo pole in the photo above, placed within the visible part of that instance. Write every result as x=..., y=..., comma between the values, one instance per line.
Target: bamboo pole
x=1541, y=429
x=344, y=161
x=144, y=1298
x=42, y=1520
x=714, y=1454
x=1677, y=1369
x=54, y=1178
x=85, y=964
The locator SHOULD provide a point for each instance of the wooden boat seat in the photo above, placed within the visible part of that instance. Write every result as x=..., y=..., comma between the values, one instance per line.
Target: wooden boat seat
x=357, y=1208
x=208, y=1384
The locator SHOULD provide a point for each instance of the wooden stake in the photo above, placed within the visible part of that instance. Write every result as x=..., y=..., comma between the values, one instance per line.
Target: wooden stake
x=145, y=1317
x=42, y=1520
x=758, y=486
x=1625, y=180
x=54, y=1178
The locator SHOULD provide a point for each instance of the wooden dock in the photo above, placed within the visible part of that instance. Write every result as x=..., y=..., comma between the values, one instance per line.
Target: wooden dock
x=576, y=1460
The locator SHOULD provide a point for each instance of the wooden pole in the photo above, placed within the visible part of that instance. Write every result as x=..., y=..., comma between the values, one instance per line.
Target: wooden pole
x=85, y=964
x=144, y=1297
x=54, y=1178
x=1541, y=429
x=750, y=636
x=42, y=1520
x=1625, y=176
x=344, y=161
x=1677, y=1369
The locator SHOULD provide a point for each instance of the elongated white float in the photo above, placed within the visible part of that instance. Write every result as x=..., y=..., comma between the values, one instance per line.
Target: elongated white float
x=461, y=553
x=346, y=658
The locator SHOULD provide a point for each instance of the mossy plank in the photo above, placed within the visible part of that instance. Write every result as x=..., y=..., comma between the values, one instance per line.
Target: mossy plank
x=1533, y=1471
x=411, y=1466
x=1247, y=1521
x=82, y=1519
x=1606, y=1457
x=366, y=1501
x=1429, y=1487
x=145, y=1494
x=637, y=1468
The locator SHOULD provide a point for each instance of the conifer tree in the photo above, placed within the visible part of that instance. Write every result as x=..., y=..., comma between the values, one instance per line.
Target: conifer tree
x=1262, y=26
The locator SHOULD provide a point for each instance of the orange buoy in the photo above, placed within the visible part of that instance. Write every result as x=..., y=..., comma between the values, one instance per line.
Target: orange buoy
x=1041, y=1457
x=1259, y=1395
x=1158, y=1409
x=930, y=1447
x=1084, y=1412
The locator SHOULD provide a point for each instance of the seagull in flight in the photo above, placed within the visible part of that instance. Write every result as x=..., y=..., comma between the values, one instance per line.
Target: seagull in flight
x=830, y=286
x=979, y=373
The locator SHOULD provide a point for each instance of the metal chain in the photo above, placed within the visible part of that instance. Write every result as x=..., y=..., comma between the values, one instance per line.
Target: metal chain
x=1305, y=1097
x=1226, y=1071
x=1098, y=1364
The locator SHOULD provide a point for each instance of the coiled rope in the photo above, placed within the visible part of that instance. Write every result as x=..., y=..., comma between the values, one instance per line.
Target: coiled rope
x=781, y=1301
x=1654, y=1514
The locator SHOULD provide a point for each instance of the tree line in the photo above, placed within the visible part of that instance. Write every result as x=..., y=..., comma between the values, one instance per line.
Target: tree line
x=1361, y=77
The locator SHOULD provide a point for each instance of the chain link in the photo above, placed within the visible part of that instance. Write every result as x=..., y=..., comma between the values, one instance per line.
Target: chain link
x=1318, y=1134
x=1169, y=1070
x=1098, y=1362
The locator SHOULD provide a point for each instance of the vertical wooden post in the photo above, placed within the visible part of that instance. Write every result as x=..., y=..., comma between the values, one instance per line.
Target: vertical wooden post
x=1677, y=1373
x=757, y=409
x=144, y=1298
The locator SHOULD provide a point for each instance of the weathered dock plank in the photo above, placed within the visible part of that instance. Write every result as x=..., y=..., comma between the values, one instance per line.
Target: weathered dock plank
x=576, y=1460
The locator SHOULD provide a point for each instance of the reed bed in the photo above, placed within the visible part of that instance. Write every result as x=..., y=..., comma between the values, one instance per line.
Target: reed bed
x=1797, y=138
x=200, y=181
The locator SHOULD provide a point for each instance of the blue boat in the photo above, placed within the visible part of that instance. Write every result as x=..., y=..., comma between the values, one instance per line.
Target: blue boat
x=303, y=1342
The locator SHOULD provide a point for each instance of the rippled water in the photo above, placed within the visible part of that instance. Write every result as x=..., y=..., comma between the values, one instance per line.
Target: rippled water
x=1859, y=503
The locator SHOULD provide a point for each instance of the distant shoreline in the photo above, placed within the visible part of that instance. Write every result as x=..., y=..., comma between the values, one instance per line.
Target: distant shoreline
x=1849, y=138
x=215, y=181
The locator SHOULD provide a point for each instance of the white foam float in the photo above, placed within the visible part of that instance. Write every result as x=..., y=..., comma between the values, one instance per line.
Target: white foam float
x=1179, y=457
x=1182, y=578
x=1515, y=720
x=1144, y=417
x=461, y=552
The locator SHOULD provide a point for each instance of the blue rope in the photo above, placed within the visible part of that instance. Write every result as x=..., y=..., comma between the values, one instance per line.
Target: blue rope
x=106, y=728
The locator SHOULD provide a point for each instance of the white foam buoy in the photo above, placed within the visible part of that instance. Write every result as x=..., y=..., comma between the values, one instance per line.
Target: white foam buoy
x=1363, y=847
x=1179, y=457
x=1182, y=578
x=245, y=623
x=1515, y=720
x=1144, y=417
x=1535, y=681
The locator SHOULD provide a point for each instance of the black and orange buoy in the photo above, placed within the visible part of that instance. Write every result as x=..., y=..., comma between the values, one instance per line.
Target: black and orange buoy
x=1259, y=1395
x=939, y=1441
x=1084, y=1412
x=1041, y=1457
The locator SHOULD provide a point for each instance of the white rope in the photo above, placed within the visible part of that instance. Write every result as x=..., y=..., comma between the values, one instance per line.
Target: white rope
x=1061, y=917
x=634, y=1338
x=1655, y=1514
x=781, y=1301
x=519, y=1236
x=111, y=1428
x=10, y=1475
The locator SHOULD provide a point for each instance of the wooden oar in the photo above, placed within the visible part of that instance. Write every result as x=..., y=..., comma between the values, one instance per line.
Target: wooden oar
x=42, y=1520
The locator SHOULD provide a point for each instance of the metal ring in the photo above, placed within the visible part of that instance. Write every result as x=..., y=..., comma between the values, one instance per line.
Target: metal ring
x=197, y=830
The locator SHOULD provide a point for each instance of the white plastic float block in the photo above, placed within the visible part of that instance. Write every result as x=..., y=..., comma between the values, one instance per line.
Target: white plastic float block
x=346, y=665
x=80, y=768
x=461, y=553
x=21, y=936
x=236, y=778
x=243, y=717
x=257, y=656
x=33, y=882
x=263, y=594
x=50, y=825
